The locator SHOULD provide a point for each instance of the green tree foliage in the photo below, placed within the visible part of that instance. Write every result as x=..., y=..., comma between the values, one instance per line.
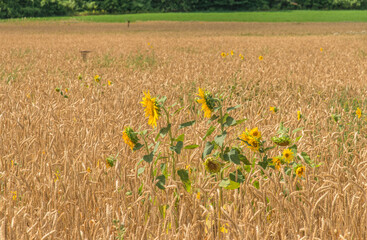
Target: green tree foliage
x=40, y=8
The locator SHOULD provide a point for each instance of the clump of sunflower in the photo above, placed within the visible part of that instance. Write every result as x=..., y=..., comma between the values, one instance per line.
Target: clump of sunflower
x=212, y=165
x=252, y=139
x=207, y=101
x=130, y=137
x=152, y=109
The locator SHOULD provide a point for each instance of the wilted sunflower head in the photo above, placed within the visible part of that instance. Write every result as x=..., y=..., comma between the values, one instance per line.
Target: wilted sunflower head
x=212, y=165
x=207, y=101
x=288, y=154
x=152, y=109
x=300, y=171
x=281, y=141
x=130, y=137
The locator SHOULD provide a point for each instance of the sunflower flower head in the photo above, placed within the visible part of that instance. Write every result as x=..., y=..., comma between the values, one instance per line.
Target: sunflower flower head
x=299, y=115
x=277, y=163
x=359, y=113
x=223, y=54
x=300, y=171
x=274, y=109
x=130, y=137
x=232, y=53
x=261, y=58
x=207, y=101
x=152, y=109
x=212, y=165
x=288, y=155
x=255, y=133
x=241, y=56
x=97, y=78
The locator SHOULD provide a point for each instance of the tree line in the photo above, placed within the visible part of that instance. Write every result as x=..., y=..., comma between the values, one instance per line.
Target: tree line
x=43, y=8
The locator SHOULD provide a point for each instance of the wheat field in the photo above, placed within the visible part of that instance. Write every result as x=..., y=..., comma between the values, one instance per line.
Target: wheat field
x=66, y=172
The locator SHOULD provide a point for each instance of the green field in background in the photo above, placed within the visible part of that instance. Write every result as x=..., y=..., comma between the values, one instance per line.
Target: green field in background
x=271, y=16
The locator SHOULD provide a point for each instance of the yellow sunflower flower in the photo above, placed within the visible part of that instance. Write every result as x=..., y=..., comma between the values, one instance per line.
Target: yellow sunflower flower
x=97, y=78
x=277, y=163
x=207, y=102
x=300, y=171
x=299, y=115
x=288, y=155
x=232, y=52
x=255, y=133
x=130, y=137
x=261, y=58
x=274, y=109
x=152, y=109
x=321, y=49
x=359, y=112
x=241, y=56
x=223, y=54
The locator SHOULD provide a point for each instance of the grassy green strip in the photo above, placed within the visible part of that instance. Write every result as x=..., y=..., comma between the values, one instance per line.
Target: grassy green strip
x=278, y=16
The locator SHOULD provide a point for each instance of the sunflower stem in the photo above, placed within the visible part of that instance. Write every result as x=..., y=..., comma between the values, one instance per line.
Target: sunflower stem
x=171, y=143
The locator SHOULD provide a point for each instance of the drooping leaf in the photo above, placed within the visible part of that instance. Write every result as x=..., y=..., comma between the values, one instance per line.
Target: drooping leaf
x=220, y=139
x=137, y=147
x=193, y=146
x=161, y=181
x=208, y=149
x=229, y=184
x=186, y=124
x=184, y=176
x=148, y=158
x=180, y=138
x=234, y=156
x=233, y=108
x=163, y=132
x=209, y=132
x=237, y=176
x=230, y=122
x=177, y=148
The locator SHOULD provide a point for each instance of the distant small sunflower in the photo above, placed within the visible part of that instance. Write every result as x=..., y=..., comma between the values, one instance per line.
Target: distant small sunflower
x=232, y=53
x=288, y=155
x=207, y=101
x=152, y=109
x=241, y=56
x=130, y=137
x=359, y=112
x=300, y=171
x=321, y=49
x=299, y=115
x=223, y=54
x=274, y=109
x=109, y=83
x=261, y=58
x=277, y=163
x=97, y=78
